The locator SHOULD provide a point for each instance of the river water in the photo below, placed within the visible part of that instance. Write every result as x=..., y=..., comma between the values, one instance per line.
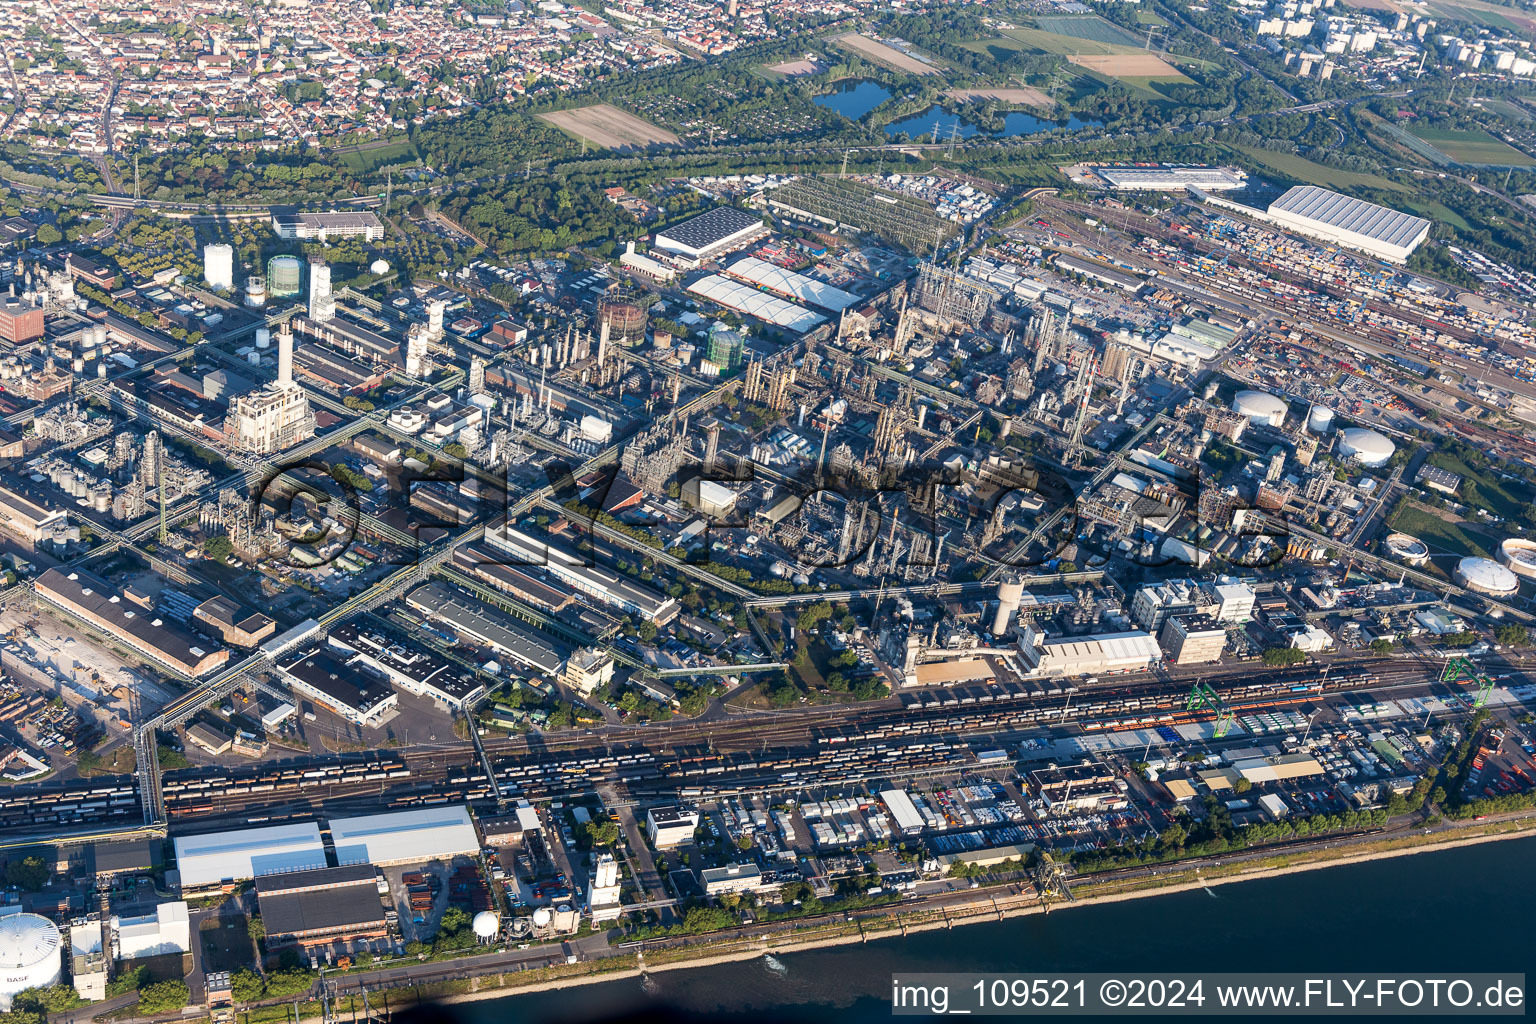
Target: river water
x=1468, y=909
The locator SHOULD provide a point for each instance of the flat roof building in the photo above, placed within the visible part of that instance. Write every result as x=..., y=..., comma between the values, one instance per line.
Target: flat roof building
x=27, y=519
x=487, y=626
x=321, y=226
x=355, y=696
x=1193, y=640
x=411, y=666
x=576, y=570
x=20, y=320
x=405, y=837
x=712, y=232
x=167, y=930
x=670, y=826
x=731, y=878
x=1344, y=220
x=92, y=600
x=1175, y=179
x=218, y=860
x=1131, y=651
x=237, y=624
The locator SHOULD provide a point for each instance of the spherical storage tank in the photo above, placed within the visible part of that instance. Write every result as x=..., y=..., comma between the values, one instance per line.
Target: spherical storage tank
x=1261, y=408
x=486, y=924
x=1366, y=447
x=29, y=955
x=285, y=275
x=1320, y=419
x=1519, y=556
x=1486, y=576
x=379, y=267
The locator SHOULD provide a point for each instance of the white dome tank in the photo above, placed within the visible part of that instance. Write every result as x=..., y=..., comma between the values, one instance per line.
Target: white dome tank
x=486, y=924
x=1367, y=447
x=30, y=955
x=1486, y=576
x=1261, y=408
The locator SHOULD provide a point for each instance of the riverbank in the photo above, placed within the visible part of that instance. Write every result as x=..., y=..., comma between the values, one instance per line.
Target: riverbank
x=978, y=906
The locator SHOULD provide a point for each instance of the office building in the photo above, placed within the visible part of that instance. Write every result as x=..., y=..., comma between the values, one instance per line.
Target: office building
x=1193, y=639
x=670, y=826
x=322, y=226
x=587, y=670
x=731, y=878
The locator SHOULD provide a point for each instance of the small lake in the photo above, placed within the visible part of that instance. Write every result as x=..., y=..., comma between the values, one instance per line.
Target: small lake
x=854, y=98
x=919, y=127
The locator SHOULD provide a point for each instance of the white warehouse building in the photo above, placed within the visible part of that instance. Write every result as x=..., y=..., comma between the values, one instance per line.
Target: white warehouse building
x=217, y=860
x=405, y=837
x=1342, y=220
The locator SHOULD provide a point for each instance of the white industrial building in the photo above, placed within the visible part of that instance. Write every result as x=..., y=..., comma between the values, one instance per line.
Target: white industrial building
x=719, y=230
x=1172, y=179
x=167, y=930
x=770, y=309
x=791, y=285
x=1103, y=653
x=217, y=860
x=903, y=811
x=670, y=826
x=405, y=837
x=731, y=878
x=1343, y=220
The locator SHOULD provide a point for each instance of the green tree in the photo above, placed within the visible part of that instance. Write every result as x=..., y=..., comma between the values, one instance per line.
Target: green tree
x=47, y=234
x=28, y=873
x=602, y=833
x=1382, y=646
x=246, y=985
x=1281, y=656
x=163, y=997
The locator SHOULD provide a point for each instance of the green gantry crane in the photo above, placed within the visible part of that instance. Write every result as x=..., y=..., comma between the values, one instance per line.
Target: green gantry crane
x=1462, y=670
x=1201, y=696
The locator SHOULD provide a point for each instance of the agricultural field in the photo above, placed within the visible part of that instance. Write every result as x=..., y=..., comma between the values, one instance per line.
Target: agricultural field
x=1141, y=72
x=1505, y=109
x=798, y=68
x=1038, y=41
x=1475, y=147
x=1505, y=18
x=1295, y=168
x=1027, y=95
x=878, y=51
x=1148, y=18
x=1087, y=26
x=608, y=127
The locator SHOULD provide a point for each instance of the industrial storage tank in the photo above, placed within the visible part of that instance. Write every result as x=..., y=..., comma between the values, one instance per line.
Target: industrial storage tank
x=379, y=267
x=1261, y=408
x=486, y=924
x=285, y=276
x=1320, y=420
x=1367, y=447
x=1519, y=556
x=1407, y=549
x=30, y=955
x=1486, y=576
x=255, y=291
x=626, y=322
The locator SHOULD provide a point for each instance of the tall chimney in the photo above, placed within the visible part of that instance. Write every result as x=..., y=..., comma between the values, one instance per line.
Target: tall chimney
x=285, y=357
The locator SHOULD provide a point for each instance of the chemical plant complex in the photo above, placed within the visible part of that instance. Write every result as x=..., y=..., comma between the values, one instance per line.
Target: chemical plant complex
x=398, y=596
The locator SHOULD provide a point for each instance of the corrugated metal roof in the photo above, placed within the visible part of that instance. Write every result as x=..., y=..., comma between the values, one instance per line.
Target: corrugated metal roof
x=217, y=856
x=1356, y=216
x=404, y=836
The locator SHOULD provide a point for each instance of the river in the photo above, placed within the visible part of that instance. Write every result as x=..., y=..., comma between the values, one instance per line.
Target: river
x=1453, y=910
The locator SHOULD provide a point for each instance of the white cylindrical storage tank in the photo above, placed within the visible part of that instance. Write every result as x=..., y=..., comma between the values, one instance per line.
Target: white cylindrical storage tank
x=1407, y=549
x=255, y=292
x=263, y=337
x=1320, y=420
x=30, y=955
x=1519, y=556
x=1367, y=447
x=1486, y=576
x=1261, y=408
